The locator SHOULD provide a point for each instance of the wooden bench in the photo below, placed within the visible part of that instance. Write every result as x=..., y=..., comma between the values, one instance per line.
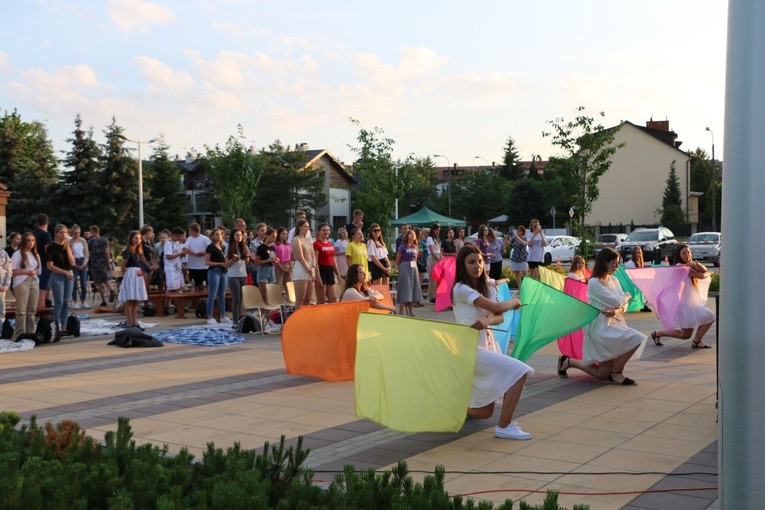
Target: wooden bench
x=10, y=312
x=181, y=299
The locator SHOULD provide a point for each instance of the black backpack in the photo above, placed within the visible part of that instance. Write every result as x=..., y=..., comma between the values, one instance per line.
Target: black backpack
x=73, y=325
x=7, y=330
x=201, y=310
x=247, y=324
x=149, y=309
x=47, y=331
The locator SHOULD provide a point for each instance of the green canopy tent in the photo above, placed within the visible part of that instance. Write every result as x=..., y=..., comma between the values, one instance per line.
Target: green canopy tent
x=425, y=218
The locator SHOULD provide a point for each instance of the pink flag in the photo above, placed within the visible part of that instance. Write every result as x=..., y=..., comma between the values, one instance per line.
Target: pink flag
x=663, y=287
x=443, y=274
x=571, y=344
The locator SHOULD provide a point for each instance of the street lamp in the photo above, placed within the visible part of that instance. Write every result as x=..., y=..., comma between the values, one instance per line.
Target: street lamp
x=481, y=157
x=714, y=183
x=140, y=174
x=448, y=179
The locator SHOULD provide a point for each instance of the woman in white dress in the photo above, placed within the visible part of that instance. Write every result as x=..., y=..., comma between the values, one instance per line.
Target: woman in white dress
x=608, y=342
x=133, y=287
x=357, y=289
x=692, y=314
x=474, y=299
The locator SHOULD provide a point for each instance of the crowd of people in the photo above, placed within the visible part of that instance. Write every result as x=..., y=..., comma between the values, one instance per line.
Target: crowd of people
x=38, y=266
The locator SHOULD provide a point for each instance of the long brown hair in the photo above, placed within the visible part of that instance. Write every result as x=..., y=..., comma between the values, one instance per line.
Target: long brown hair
x=137, y=248
x=461, y=276
x=677, y=260
x=352, y=279
x=376, y=238
x=25, y=250
x=605, y=256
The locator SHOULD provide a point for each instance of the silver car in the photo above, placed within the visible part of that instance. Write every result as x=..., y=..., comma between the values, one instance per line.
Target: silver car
x=706, y=246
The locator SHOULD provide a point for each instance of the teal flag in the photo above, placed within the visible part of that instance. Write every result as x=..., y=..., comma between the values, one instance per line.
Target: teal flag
x=637, y=302
x=547, y=314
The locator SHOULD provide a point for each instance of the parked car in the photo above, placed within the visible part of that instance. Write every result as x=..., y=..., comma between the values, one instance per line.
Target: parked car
x=657, y=243
x=607, y=240
x=560, y=246
x=706, y=246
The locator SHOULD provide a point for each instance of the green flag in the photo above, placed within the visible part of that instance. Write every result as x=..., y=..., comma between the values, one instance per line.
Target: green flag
x=547, y=315
x=637, y=302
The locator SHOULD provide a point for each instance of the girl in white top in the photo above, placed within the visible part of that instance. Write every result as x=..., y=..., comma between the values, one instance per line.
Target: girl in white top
x=577, y=269
x=536, y=242
x=304, y=270
x=433, y=243
x=80, y=267
x=636, y=259
x=356, y=289
x=340, y=245
x=474, y=298
x=377, y=254
x=26, y=269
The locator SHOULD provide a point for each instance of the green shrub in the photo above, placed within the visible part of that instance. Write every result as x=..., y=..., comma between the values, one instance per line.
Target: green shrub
x=61, y=467
x=714, y=285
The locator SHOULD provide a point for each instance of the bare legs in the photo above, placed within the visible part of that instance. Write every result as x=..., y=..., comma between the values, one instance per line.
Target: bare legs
x=509, y=402
x=303, y=291
x=686, y=333
x=131, y=312
x=612, y=368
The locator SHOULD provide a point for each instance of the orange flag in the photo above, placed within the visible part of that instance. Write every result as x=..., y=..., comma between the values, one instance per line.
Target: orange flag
x=320, y=341
x=387, y=298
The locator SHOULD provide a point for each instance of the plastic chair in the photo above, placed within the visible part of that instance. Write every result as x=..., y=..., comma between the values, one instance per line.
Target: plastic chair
x=290, y=300
x=252, y=300
x=275, y=297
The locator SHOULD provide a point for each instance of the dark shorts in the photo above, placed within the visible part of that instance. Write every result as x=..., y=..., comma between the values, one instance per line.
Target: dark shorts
x=375, y=272
x=532, y=265
x=327, y=274
x=99, y=274
x=198, y=276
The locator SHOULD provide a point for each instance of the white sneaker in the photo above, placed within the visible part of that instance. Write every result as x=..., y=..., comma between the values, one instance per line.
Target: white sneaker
x=226, y=320
x=512, y=431
x=212, y=322
x=85, y=306
x=76, y=306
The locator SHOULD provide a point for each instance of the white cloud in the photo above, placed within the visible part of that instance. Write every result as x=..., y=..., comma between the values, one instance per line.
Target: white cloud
x=69, y=85
x=3, y=61
x=161, y=77
x=226, y=28
x=228, y=70
x=131, y=15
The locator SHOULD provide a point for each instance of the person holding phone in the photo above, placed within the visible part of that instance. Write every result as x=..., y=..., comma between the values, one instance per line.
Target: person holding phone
x=536, y=242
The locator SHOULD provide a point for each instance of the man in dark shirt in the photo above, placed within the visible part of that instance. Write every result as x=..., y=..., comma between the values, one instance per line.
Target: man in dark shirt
x=357, y=222
x=98, y=248
x=406, y=227
x=42, y=240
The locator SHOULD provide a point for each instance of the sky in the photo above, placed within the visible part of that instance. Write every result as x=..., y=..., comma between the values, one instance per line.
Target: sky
x=449, y=78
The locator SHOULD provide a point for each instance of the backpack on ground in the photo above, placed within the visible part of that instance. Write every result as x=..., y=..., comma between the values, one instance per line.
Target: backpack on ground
x=7, y=330
x=47, y=330
x=248, y=324
x=73, y=325
x=149, y=309
x=201, y=309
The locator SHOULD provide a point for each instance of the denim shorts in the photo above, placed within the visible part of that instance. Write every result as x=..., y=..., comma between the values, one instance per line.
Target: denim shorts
x=266, y=273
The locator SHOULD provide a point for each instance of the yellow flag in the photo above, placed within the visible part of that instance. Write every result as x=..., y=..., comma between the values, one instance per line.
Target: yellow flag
x=414, y=375
x=552, y=278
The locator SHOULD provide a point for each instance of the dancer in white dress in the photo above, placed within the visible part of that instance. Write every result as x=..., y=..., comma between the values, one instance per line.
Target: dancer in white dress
x=692, y=312
x=474, y=299
x=608, y=342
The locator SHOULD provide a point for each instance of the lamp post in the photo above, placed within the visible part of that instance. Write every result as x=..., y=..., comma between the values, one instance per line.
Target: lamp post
x=140, y=174
x=448, y=179
x=481, y=157
x=714, y=184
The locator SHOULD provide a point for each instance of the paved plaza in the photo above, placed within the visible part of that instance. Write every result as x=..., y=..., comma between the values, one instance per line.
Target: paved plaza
x=596, y=443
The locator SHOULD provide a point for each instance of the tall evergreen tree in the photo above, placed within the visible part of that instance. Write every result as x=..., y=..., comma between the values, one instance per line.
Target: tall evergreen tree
x=511, y=163
x=28, y=166
x=117, y=198
x=672, y=203
x=166, y=203
x=80, y=183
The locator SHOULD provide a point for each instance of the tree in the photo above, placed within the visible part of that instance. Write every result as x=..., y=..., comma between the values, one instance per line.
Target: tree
x=165, y=201
x=701, y=180
x=479, y=195
x=117, y=199
x=419, y=182
x=234, y=173
x=29, y=167
x=511, y=163
x=375, y=170
x=672, y=203
x=287, y=185
x=527, y=201
x=588, y=149
x=80, y=183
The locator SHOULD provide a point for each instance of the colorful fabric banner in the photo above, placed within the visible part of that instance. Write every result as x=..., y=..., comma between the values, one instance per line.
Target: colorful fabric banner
x=387, y=298
x=637, y=301
x=552, y=278
x=548, y=314
x=506, y=331
x=662, y=286
x=320, y=341
x=443, y=274
x=571, y=344
x=414, y=375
